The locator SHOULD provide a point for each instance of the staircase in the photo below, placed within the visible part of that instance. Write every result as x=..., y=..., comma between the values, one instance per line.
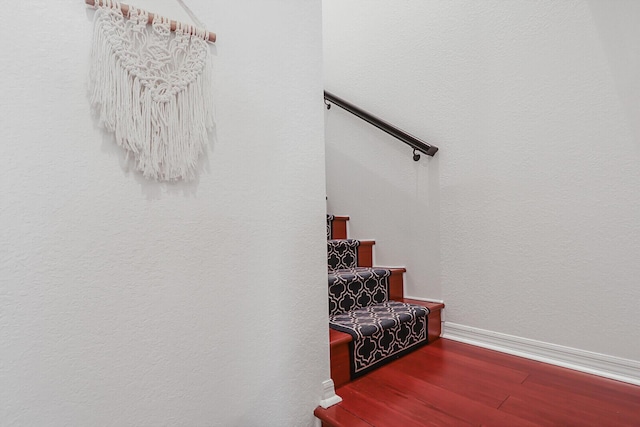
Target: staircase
x=371, y=323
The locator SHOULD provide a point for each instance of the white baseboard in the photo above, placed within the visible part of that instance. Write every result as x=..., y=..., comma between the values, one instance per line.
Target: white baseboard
x=329, y=396
x=603, y=365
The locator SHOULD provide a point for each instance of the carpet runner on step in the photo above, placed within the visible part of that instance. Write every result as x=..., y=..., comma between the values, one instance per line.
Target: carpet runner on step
x=330, y=226
x=342, y=254
x=381, y=333
x=354, y=288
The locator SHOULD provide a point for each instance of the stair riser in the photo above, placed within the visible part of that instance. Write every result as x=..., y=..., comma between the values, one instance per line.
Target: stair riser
x=396, y=285
x=340, y=363
x=365, y=254
x=339, y=354
x=434, y=325
x=337, y=227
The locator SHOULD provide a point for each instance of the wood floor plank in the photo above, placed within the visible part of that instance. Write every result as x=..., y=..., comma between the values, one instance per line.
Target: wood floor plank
x=481, y=390
x=455, y=384
x=383, y=406
x=588, y=385
x=556, y=403
x=495, y=357
x=377, y=412
x=445, y=401
x=433, y=354
x=542, y=373
x=556, y=412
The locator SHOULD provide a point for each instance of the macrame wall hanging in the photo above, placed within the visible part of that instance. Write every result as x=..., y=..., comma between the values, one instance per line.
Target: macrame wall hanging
x=152, y=87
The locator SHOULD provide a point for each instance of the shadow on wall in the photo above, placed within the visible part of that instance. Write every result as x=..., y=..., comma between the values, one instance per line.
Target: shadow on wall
x=153, y=190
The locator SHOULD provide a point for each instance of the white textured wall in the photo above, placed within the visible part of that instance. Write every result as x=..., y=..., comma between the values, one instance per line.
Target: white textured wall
x=536, y=109
x=127, y=302
x=390, y=198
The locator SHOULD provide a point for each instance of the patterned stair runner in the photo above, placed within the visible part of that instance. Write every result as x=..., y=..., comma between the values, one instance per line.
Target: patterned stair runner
x=342, y=254
x=359, y=305
x=357, y=288
x=381, y=333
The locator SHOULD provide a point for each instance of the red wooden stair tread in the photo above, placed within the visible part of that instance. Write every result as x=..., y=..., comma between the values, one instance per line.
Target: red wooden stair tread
x=338, y=416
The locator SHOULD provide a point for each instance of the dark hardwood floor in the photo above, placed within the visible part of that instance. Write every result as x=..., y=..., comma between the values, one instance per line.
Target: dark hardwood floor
x=447, y=383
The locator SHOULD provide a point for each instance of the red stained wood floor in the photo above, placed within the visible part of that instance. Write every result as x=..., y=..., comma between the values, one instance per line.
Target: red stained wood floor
x=448, y=383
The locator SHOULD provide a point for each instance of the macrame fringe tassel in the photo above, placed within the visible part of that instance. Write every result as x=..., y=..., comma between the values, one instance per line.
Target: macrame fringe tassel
x=165, y=137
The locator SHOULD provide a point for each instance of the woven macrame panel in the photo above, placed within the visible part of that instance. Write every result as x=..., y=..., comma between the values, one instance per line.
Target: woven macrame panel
x=151, y=87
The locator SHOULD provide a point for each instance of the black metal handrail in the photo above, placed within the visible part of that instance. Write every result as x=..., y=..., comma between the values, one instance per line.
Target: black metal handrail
x=412, y=141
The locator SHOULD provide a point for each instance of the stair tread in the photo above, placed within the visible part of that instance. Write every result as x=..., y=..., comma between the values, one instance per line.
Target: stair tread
x=430, y=305
x=337, y=416
x=362, y=241
x=375, y=267
x=376, y=317
x=337, y=337
x=354, y=270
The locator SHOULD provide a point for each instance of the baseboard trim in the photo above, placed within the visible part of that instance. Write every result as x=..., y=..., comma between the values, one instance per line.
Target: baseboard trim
x=603, y=365
x=329, y=396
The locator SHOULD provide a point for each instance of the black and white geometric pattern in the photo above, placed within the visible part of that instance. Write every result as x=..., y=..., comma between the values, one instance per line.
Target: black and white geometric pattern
x=381, y=333
x=359, y=305
x=356, y=288
x=329, y=226
x=342, y=254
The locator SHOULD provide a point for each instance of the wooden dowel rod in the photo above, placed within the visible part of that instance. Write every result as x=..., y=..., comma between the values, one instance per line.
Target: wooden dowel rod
x=125, y=11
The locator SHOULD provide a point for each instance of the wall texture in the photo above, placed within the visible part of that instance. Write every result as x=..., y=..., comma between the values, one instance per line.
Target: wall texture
x=128, y=302
x=535, y=107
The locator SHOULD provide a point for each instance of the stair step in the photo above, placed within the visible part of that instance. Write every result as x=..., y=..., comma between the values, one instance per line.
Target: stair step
x=349, y=253
x=339, y=356
x=355, y=288
x=337, y=227
x=341, y=281
x=381, y=333
x=365, y=253
x=339, y=349
x=434, y=323
x=339, y=342
x=396, y=283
